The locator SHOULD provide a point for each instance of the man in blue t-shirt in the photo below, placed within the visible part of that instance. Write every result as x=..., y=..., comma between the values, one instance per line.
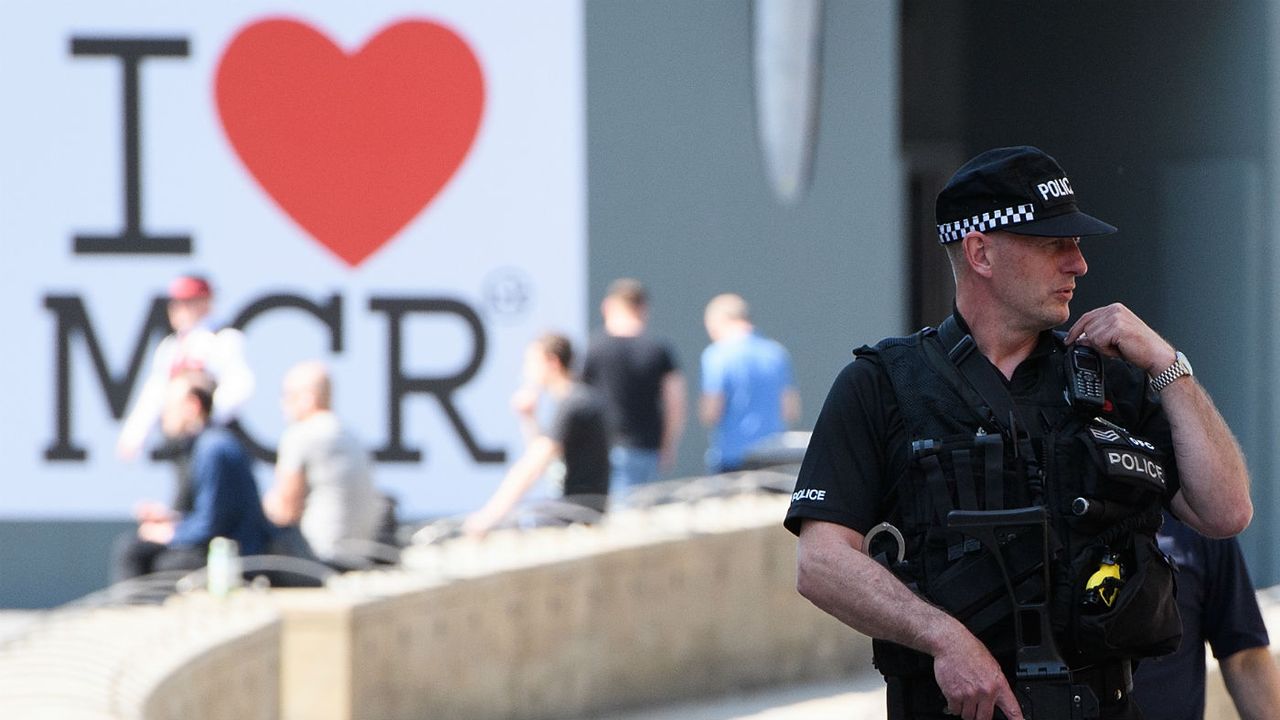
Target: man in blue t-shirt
x=747, y=390
x=1218, y=606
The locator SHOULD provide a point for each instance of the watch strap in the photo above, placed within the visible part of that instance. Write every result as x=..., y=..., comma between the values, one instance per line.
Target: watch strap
x=1179, y=368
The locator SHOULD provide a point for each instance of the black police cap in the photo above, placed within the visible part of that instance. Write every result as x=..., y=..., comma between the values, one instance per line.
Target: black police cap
x=1019, y=189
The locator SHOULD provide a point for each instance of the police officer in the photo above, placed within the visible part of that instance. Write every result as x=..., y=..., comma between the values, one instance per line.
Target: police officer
x=916, y=434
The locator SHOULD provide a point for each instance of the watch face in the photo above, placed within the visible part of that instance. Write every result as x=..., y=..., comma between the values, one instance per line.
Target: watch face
x=1184, y=361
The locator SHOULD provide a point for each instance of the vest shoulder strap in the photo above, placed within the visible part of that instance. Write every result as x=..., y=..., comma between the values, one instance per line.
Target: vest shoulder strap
x=921, y=385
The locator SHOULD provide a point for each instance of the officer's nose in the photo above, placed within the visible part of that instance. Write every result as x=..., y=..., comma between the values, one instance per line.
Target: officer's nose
x=1074, y=261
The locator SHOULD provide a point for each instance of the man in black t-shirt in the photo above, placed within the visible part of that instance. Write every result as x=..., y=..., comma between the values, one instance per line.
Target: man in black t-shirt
x=1219, y=606
x=642, y=386
x=578, y=436
x=879, y=452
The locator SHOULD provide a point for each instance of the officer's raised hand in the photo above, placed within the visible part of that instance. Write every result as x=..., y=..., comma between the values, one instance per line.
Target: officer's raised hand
x=1114, y=330
x=971, y=680
x=1214, y=481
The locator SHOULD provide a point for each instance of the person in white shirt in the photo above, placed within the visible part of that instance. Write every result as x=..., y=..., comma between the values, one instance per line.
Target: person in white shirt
x=195, y=345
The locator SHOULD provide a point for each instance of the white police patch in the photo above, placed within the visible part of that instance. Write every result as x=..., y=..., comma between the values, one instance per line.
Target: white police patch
x=1055, y=189
x=809, y=494
x=1105, y=435
x=1139, y=442
x=1127, y=456
x=1136, y=465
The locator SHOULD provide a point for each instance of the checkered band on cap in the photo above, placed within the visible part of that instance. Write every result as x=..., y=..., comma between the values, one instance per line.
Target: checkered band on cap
x=953, y=231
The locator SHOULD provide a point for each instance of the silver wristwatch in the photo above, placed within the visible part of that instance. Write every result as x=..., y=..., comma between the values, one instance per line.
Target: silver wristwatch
x=1180, y=367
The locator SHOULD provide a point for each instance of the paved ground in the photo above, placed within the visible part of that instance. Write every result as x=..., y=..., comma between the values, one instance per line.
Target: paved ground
x=857, y=699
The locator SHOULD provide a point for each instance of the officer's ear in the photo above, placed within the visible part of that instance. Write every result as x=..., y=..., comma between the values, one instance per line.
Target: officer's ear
x=977, y=252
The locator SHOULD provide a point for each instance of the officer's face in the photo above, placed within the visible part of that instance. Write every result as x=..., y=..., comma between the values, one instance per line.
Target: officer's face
x=1035, y=277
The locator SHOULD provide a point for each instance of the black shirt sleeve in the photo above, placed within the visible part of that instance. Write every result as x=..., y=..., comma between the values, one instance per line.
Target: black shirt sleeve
x=562, y=422
x=590, y=372
x=1232, y=621
x=667, y=362
x=856, y=454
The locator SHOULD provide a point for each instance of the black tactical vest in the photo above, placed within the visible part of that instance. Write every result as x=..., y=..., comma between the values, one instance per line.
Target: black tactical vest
x=1100, y=485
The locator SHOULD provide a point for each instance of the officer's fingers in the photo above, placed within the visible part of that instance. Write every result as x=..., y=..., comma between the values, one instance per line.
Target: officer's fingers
x=985, y=705
x=1078, y=332
x=1096, y=321
x=1130, y=338
x=1104, y=335
x=1120, y=310
x=1087, y=326
x=977, y=701
x=1123, y=321
x=1143, y=341
x=960, y=705
x=957, y=694
x=1006, y=701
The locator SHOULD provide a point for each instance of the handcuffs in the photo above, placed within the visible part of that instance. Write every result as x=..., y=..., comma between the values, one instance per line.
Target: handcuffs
x=896, y=534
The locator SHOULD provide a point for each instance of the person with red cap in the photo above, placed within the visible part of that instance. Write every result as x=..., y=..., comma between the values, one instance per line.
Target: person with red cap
x=195, y=345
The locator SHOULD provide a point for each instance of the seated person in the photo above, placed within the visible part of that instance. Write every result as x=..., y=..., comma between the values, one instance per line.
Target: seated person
x=323, y=479
x=225, y=500
x=578, y=435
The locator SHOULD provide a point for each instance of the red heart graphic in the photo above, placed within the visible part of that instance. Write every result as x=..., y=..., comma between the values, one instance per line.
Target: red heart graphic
x=352, y=147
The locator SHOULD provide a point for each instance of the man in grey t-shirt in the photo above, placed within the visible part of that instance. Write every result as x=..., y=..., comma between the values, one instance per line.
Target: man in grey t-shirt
x=323, y=479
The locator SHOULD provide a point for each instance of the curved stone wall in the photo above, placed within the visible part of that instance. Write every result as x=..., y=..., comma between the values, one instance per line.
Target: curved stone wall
x=659, y=605
x=190, y=658
x=676, y=602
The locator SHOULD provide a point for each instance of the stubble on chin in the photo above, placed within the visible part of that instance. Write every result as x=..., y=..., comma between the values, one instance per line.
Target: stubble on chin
x=1060, y=315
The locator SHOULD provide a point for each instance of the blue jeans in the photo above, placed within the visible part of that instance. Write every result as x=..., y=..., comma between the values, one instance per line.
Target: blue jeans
x=630, y=467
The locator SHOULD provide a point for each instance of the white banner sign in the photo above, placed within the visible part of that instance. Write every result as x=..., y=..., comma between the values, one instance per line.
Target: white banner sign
x=395, y=188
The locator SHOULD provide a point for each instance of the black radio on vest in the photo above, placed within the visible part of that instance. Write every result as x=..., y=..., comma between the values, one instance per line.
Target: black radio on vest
x=1087, y=392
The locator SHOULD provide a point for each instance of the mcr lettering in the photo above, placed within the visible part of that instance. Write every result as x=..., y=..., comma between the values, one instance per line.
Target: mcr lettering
x=72, y=321
x=75, y=332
